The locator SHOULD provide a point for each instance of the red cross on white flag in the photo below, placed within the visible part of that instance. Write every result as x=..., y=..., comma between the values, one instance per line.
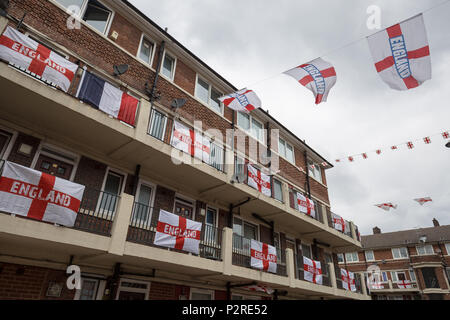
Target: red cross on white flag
x=243, y=100
x=410, y=145
x=446, y=135
x=378, y=152
x=38, y=195
x=386, y=206
x=339, y=223
x=351, y=159
x=348, y=280
x=259, y=180
x=191, y=141
x=404, y=284
x=401, y=54
x=394, y=148
x=427, y=140
x=177, y=232
x=422, y=201
x=306, y=205
x=312, y=270
x=364, y=155
x=24, y=52
x=259, y=288
x=263, y=256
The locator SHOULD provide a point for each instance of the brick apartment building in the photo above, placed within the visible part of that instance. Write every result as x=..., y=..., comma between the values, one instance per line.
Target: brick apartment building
x=129, y=174
x=406, y=265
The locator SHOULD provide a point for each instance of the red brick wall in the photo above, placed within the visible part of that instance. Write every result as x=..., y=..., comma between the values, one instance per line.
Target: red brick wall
x=164, y=199
x=129, y=36
x=90, y=173
x=20, y=158
x=162, y=291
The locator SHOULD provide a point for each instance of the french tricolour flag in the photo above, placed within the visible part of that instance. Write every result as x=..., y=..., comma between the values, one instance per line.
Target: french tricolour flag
x=107, y=98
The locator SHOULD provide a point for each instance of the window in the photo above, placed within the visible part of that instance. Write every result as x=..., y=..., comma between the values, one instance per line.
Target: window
x=250, y=125
x=243, y=232
x=412, y=275
x=217, y=156
x=429, y=276
x=201, y=294
x=340, y=258
x=286, y=150
x=89, y=289
x=397, y=276
x=277, y=245
x=168, y=66
x=158, y=125
x=277, y=190
x=146, y=50
x=143, y=208
x=5, y=138
x=447, y=247
x=400, y=253
x=369, y=255
x=314, y=170
x=384, y=276
x=132, y=290
x=239, y=169
x=111, y=191
x=306, y=251
x=425, y=250
x=210, y=96
x=351, y=257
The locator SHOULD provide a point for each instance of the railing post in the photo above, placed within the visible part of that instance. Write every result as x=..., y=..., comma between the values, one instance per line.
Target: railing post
x=121, y=224
x=290, y=266
x=332, y=272
x=390, y=284
x=227, y=250
x=324, y=214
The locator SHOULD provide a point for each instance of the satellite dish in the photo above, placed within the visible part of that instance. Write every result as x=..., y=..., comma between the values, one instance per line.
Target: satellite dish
x=448, y=145
x=178, y=103
x=120, y=69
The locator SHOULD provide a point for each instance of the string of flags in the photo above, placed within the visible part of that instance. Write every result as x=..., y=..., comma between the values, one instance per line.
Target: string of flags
x=401, y=56
x=410, y=145
x=388, y=205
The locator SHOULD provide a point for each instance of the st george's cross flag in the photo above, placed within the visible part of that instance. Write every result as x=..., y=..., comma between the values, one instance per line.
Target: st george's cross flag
x=259, y=180
x=104, y=96
x=348, y=280
x=22, y=51
x=244, y=100
x=339, y=223
x=259, y=288
x=312, y=270
x=177, y=232
x=422, y=201
x=40, y=196
x=306, y=205
x=263, y=256
x=401, y=54
x=386, y=206
x=404, y=284
x=191, y=141
x=318, y=75
x=374, y=284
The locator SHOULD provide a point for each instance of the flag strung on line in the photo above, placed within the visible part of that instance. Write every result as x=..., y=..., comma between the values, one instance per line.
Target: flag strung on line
x=243, y=100
x=446, y=135
x=422, y=201
x=259, y=288
x=259, y=180
x=177, y=232
x=348, y=280
x=318, y=75
x=312, y=270
x=306, y=205
x=104, y=96
x=191, y=141
x=38, y=195
x=386, y=206
x=22, y=51
x=401, y=54
x=263, y=256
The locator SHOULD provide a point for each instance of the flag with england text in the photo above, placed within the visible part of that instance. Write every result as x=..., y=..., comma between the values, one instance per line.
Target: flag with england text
x=191, y=141
x=177, y=232
x=312, y=270
x=318, y=75
x=38, y=195
x=306, y=205
x=348, y=280
x=263, y=256
x=104, y=96
x=243, y=100
x=339, y=223
x=259, y=180
x=22, y=51
x=401, y=54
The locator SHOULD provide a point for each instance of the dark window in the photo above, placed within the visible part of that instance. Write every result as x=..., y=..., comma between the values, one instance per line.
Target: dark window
x=429, y=276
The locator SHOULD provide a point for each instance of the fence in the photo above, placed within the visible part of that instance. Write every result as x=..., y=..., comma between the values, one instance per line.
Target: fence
x=144, y=222
x=242, y=255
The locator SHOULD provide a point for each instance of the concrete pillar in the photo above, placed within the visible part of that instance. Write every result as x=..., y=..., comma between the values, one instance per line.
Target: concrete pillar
x=120, y=225
x=285, y=190
x=3, y=23
x=290, y=266
x=324, y=214
x=332, y=275
x=227, y=250
x=390, y=284
x=229, y=164
x=143, y=119
x=353, y=229
x=363, y=284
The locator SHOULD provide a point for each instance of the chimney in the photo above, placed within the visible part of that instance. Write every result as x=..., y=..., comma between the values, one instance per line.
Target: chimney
x=376, y=230
x=436, y=223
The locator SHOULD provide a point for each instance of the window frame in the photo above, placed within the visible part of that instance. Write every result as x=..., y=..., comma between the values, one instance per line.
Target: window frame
x=134, y=290
x=340, y=258
x=373, y=255
x=447, y=248
x=274, y=181
x=4, y=154
x=399, y=250
x=150, y=126
x=319, y=169
x=210, y=89
x=352, y=260
x=284, y=156
x=424, y=246
x=152, y=57
x=175, y=60
x=124, y=176
x=249, y=131
x=152, y=186
x=201, y=291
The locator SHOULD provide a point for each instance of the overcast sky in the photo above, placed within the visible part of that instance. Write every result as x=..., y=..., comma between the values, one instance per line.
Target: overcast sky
x=250, y=40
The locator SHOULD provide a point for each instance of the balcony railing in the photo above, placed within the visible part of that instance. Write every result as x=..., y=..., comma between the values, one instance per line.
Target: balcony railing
x=293, y=204
x=326, y=278
x=144, y=222
x=398, y=286
x=242, y=255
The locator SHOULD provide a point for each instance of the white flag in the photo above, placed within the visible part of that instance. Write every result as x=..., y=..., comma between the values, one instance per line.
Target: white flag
x=243, y=100
x=263, y=256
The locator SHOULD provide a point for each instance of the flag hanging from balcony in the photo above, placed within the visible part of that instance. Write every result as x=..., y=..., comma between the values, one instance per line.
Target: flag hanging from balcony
x=348, y=280
x=339, y=223
x=312, y=270
x=40, y=196
x=404, y=284
x=401, y=54
x=191, y=141
x=306, y=205
x=259, y=180
x=243, y=100
x=422, y=201
x=386, y=206
x=259, y=288
x=104, y=96
x=318, y=75
x=177, y=232
x=22, y=51
x=263, y=256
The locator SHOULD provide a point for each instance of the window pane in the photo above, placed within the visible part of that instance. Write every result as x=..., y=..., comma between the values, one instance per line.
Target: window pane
x=202, y=90
x=237, y=226
x=210, y=217
x=412, y=275
x=217, y=156
x=289, y=153
x=97, y=15
x=168, y=65
x=340, y=257
x=201, y=296
x=277, y=190
x=403, y=252
x=256, y=130
x=68, y=3
x=158, y=125
x=306, y=250
x=146, y=50
x=88, y=289
x=369, y=256
x=282, y=148
x=240, y=169
x=249, y=231
x=243, y=121
x=214, y=102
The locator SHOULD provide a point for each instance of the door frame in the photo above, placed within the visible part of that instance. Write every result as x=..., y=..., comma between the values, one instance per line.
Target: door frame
x=11, y=142
x=121, y=191
x=202, y=291
x=152, y=198
x=133, y=290
x=187, y=200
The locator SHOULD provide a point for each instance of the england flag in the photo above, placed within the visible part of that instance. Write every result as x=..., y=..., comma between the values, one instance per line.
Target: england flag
x=319, y=76
x=40, y=196
x=243, y=100
x=22, y=51
x=259, y=181
x=401, y=54
x=263, y=256
x=348, y=280
x=312, y=270
x=306, y=205
x=339, y=223
x=191, y=141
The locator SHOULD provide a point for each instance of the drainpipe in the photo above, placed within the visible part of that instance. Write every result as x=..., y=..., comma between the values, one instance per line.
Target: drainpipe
x=136, y=179
x=269, y=145
x=308, y=187
x=158, y=69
